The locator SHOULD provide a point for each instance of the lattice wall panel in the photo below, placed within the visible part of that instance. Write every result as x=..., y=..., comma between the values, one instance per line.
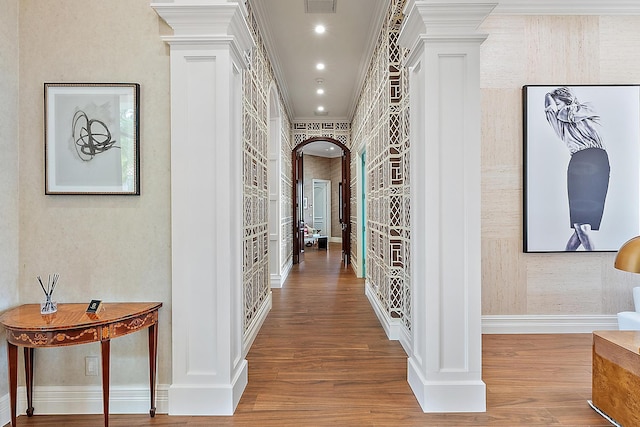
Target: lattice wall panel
x=382, y=122
x=256, y=81
x=340, y=131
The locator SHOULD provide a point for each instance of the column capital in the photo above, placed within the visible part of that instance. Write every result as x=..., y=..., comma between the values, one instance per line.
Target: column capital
x=443, y=21
x=207, y=22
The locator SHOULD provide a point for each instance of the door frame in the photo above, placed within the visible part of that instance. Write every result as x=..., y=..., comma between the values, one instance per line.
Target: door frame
x=297, y=194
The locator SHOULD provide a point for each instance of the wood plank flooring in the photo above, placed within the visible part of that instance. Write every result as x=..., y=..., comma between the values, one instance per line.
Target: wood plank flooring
x=322, y=359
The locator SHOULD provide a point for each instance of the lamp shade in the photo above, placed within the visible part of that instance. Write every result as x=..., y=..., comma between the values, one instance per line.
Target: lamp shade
x=628, y=258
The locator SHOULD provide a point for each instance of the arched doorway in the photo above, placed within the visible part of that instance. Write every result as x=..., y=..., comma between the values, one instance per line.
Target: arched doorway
x=344, y=196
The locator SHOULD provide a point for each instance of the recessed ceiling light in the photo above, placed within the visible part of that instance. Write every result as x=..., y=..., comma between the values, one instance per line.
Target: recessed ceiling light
x=320, y=91
x=319, y=66
x=319, y=29
x=320, y=108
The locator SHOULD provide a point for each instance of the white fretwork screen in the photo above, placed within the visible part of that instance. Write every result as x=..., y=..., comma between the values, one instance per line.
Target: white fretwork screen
x=381, y=127
x=340, y=131
x=256, y=83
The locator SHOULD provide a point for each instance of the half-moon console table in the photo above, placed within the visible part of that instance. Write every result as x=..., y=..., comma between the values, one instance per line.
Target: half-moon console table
x=72, y=325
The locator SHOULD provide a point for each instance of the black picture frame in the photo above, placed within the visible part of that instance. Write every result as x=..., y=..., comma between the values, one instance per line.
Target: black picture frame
x=579, y=197
x=92, y=138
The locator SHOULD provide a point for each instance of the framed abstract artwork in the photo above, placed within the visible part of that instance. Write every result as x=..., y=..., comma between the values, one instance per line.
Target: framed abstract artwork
x=92, y=137
x=581, y=167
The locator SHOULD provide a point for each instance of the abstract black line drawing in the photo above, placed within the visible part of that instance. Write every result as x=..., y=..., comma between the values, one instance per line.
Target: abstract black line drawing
x=90, y=136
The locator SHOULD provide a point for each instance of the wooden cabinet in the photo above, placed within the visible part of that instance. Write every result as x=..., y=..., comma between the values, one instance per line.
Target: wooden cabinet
x=616, y=375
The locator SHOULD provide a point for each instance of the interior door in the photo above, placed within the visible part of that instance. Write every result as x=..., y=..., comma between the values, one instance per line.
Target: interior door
x=321, y=205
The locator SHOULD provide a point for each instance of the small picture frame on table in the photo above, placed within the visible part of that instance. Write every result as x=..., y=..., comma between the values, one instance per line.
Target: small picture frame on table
x=94, y=307
x=92, y=138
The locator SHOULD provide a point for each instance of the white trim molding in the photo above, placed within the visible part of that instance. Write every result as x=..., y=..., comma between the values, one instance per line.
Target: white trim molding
x=392, y=327
x=277, y=280
x=260, y=317
x=61, y=400
x=547, y=324
x=568, y=7
x=5, y=410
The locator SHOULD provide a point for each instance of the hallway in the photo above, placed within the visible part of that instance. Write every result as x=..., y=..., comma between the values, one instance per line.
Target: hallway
x=322, y=359
x=322, y=354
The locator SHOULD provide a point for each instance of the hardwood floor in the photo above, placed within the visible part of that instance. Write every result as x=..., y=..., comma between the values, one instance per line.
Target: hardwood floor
x=322, y=359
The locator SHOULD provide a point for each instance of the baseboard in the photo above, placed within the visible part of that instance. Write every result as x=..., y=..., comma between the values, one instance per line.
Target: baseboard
x=335, y=239
x=256, y=325
x=209, y=399
x=435, y=396
x=60, y=400
x=5, y=410
x=392, y=327
x=277, y=280
x=548, y=324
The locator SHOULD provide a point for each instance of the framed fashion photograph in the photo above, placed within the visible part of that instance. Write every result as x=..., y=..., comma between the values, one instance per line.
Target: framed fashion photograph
x=581, y=167
x=92, y=138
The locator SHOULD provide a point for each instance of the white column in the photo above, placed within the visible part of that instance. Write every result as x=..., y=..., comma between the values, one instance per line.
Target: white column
x=207, y=57
x=275, y=191
x=445, y=364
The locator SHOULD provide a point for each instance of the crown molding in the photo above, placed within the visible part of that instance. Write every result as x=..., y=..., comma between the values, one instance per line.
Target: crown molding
x=443, y=21
x=567, y=7
x=259, y=10
x=200, y=23
x=374, y=31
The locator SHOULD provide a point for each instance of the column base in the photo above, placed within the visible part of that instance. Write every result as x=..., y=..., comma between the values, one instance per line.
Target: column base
x=205, y=399
x=446, y=396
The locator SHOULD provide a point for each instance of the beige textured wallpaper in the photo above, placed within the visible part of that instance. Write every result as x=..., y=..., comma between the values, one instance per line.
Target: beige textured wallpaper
x=113, y=248
x=524, y=50
x=9, y=213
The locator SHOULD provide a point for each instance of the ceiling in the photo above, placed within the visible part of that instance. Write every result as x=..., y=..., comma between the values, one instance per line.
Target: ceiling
x=322, y=149
x=294, y=49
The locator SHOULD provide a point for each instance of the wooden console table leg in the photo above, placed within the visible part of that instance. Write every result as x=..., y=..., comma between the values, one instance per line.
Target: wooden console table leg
x=12, y=354
x=106, y=349
x=153, y=357
x=28, y=375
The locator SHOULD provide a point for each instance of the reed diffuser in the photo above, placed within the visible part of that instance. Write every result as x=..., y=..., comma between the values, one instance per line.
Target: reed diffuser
x=49, y=305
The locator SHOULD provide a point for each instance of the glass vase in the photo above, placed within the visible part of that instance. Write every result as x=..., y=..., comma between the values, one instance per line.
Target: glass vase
x=48, y=306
